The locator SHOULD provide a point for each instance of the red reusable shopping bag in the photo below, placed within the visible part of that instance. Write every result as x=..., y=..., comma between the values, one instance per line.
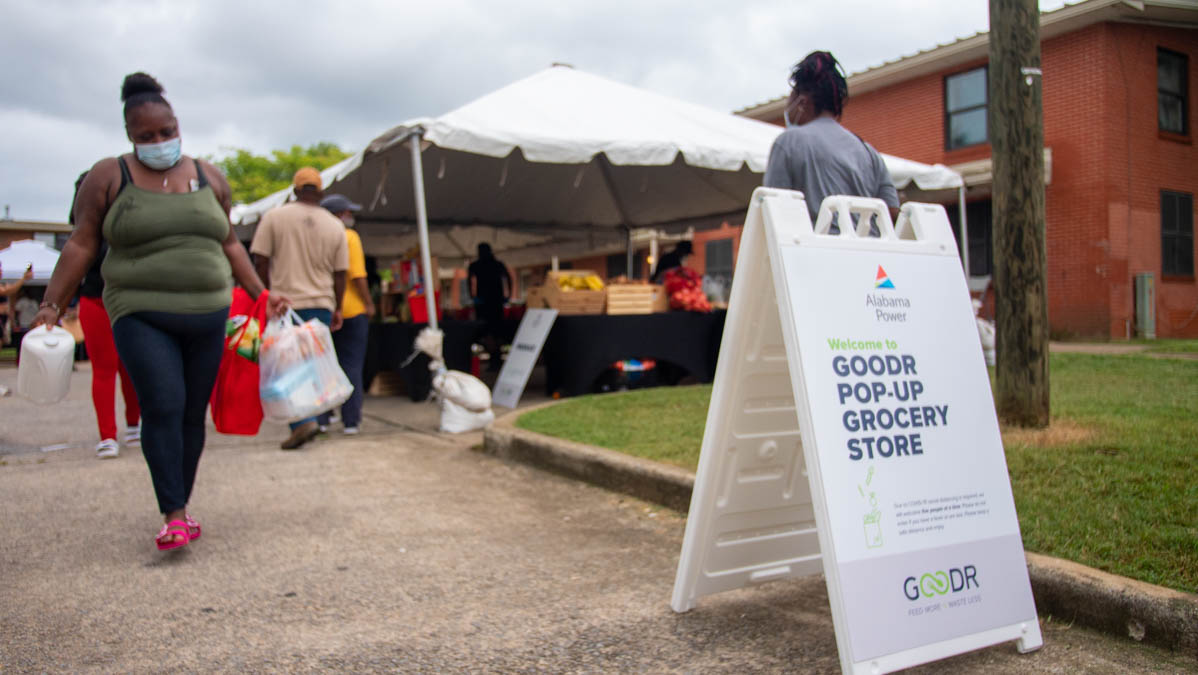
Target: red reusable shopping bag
x=236, y=406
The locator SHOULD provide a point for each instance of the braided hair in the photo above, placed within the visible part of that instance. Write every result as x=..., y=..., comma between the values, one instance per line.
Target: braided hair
x=139, y=89
x=821, y=77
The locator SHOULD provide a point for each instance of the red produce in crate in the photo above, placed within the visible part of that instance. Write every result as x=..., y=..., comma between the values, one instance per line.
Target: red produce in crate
x=684, y=288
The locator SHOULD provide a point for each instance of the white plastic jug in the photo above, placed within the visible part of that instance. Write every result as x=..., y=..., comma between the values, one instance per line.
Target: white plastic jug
x=47, y=355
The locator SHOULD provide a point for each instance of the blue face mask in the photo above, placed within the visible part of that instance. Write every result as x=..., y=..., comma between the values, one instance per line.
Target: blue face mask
x=160, y=156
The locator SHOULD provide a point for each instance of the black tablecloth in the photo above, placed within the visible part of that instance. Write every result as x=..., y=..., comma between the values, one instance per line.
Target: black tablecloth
x=580, y=348
x=390, y=344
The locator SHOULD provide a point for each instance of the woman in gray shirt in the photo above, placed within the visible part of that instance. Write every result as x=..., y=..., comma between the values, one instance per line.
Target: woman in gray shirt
x=816, y=155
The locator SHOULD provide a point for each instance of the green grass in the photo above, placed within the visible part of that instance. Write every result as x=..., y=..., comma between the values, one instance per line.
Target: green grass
x=1123, y=497
x=664, y=424
x=1112, y=484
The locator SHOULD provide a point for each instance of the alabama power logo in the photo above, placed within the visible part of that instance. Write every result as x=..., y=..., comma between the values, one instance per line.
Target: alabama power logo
x=886, y=307
x=883, y=280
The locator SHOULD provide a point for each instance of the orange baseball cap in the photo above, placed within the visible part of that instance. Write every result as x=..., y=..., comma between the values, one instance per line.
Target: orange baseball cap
x=307, y=176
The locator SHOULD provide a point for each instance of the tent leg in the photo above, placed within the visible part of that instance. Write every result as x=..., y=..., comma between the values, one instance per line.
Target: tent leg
x=631, y=253
x=605, y=168
x=653, y=253
x=964, y=232
x=430, y=289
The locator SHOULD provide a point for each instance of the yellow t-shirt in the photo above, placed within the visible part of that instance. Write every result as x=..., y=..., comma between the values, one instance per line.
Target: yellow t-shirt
x=352, y=303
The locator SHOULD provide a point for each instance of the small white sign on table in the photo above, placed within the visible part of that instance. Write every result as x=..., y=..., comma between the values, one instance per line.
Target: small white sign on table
x=852, y=432
x=526, y=347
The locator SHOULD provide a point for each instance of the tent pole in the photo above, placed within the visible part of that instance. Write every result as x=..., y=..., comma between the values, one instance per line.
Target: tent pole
x=605, y=169
x=631, y=253
x=964, y=231
x=653, y=253
x=430, y=290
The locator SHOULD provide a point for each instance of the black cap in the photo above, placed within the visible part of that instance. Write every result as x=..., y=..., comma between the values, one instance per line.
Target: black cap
x=338, y=203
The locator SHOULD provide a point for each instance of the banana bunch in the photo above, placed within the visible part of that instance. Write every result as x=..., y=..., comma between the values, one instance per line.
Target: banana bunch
x=578, y=282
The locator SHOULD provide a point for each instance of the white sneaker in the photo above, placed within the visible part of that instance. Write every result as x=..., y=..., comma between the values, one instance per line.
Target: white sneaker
x=133, y=437
x=350, y=431
x=334, y=418
x=107, y=449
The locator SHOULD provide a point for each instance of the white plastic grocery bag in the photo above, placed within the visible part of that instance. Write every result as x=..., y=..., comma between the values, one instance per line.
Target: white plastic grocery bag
x=299, y=373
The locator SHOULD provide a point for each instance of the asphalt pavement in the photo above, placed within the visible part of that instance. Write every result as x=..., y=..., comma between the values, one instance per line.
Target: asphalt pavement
x=399, y=550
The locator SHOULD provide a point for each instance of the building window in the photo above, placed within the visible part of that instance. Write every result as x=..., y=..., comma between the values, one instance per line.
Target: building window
x=617, y=266
x=717, y=278
x=525, y=283
x=464, y=299
x=965, y=109
x=1177, y=234
x=1172, y=74
x=981, y=248
x=718, y=254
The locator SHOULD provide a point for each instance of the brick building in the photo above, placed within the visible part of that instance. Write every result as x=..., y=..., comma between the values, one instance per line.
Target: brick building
x=1121, y=169
x=52, y=234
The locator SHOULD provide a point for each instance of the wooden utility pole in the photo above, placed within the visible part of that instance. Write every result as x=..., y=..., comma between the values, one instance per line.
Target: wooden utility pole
x=1017, y=141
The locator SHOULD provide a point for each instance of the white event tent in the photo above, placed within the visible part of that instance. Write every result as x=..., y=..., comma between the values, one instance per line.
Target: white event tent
x=15, y=259
x=561, y=159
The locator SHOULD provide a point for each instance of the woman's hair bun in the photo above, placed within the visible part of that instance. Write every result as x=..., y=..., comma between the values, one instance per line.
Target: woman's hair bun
x=140, y=83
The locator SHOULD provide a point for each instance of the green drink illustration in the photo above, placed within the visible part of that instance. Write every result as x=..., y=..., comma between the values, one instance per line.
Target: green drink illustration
x=873, y=517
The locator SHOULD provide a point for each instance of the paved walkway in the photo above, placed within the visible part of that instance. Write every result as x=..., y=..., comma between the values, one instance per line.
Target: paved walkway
x=400, y=550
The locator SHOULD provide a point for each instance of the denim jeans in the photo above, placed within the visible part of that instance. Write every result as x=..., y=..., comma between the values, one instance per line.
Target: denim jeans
x=173, y=360
x=326, y=317
x=350, y=342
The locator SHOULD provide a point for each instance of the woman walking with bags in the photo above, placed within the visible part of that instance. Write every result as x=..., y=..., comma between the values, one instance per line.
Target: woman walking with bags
x=171, y=260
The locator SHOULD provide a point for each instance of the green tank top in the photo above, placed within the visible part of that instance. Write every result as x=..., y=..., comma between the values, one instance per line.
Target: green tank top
x=165, y=251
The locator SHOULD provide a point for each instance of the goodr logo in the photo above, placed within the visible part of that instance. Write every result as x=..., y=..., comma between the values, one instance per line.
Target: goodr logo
x=931, y=584
x=883, y=280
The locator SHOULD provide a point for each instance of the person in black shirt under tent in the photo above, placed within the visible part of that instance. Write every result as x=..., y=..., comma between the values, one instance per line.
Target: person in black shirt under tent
x=673, y=259
x=490, y=287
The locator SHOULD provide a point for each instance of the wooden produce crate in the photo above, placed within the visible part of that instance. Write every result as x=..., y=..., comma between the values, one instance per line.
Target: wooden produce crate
x=634, y=298
x=572, y=301
x=535, y=298
x=661, y=301
x=387, y=383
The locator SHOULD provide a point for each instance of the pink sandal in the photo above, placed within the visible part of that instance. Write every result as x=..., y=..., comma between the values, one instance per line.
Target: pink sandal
x=173, y=535
x=193, y=527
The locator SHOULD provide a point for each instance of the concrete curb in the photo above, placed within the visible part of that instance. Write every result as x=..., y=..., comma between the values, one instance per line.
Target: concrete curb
x=642, y=478
x=1064, y=590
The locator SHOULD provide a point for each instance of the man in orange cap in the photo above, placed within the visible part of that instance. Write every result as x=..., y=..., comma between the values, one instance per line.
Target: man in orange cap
x=300, y=251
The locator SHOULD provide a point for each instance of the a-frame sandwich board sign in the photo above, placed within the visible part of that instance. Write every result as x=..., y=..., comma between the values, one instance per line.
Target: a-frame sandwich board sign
x=852, y=431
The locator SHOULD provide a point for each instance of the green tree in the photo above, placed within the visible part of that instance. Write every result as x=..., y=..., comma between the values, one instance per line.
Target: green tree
x=253, y=177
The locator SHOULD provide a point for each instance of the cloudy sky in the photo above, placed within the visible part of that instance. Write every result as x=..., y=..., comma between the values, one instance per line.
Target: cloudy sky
x=264, y=74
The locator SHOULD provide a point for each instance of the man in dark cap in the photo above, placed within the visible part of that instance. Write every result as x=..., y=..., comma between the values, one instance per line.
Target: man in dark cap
x=356, y=309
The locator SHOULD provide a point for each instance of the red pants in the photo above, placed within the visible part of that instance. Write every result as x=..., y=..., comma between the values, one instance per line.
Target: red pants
x=101, y=350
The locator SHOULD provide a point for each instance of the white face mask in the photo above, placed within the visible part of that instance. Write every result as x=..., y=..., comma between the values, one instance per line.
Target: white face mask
x=160, y=156
x=348, y=220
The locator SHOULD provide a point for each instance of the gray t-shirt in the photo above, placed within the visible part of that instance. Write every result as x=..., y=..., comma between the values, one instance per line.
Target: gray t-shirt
x=822, y=158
